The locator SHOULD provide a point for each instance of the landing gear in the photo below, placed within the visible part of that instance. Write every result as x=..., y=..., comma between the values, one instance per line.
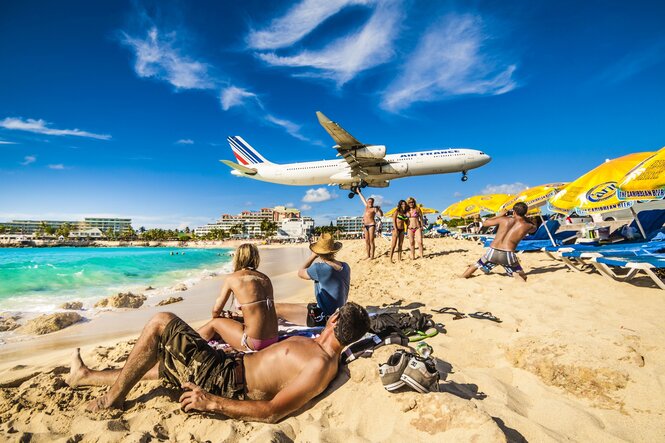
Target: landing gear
x=355, y=188
x=464, y=176
x=354, y=191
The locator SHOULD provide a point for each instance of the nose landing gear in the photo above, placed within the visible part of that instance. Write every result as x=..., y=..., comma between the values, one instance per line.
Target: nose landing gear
x=464, y=176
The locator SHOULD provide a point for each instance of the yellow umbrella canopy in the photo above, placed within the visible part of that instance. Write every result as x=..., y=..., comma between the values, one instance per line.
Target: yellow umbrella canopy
x=646, y=181
x=420, y=206
x=535, y=197
x=475, y=205
x=595, y=191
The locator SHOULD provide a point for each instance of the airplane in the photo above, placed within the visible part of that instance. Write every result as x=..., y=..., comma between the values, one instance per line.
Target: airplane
x=360, y=165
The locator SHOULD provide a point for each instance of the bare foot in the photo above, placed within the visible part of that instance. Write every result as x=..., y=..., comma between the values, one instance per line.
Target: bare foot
x=77, y=371
x=100, y=404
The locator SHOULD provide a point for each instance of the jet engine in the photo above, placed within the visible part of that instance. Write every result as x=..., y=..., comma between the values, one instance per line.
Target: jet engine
x=388, y=168
x=370, y=151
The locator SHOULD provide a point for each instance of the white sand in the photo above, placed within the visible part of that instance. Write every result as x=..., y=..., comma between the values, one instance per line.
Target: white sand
x=577, y=358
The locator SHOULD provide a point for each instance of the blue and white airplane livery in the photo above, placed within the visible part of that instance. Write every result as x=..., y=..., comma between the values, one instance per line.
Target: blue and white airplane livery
x=360, y=165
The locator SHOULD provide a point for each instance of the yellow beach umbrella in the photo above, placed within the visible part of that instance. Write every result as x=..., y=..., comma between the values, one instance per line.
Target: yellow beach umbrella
x=420, y=206
x=595, y=191
x=646, y=181
x=535, y=196
x=472, y=206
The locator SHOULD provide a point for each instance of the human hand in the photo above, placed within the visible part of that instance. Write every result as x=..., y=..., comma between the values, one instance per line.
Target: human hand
x=194, y=398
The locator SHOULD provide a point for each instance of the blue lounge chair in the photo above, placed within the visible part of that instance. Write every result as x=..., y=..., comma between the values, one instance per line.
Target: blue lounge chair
x=652, y=221
x=648, y=264
x=578, y=259
x=540, y=240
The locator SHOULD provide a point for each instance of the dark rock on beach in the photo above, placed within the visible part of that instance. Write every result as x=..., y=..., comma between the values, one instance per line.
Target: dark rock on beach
x=169, y=301
x=122, y=300
x=73, y=306
x=45, y=324
x=9, y=322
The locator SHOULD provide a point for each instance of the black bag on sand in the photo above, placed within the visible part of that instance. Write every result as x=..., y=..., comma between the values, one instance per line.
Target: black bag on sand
x=315, y=316
x=404, y=323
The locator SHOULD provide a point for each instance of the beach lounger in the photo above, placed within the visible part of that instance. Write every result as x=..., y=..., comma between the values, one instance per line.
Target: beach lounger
x=647, y=264
x=652, y=221
x=579, y=259
x=540, y=240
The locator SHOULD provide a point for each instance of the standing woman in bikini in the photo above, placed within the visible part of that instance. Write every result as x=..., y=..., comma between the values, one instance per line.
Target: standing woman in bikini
x=415, y=228
x=253, y=294
x=399, y=227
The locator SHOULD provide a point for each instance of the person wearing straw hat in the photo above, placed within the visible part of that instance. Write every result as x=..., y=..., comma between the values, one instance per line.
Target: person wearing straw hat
x=511, y=229
x=332, y=279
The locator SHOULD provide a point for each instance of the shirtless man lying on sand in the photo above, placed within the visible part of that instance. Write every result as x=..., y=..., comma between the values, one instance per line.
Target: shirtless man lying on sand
x=261, y=386
x=511, y=229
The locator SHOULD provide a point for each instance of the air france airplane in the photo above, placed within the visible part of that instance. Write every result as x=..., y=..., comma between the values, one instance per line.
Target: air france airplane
x=360, y=165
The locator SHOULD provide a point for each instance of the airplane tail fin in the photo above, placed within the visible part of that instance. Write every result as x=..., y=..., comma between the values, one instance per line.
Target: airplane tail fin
x=244, y=153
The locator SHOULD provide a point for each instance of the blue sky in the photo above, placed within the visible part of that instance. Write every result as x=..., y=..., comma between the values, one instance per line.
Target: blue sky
x=123, y=108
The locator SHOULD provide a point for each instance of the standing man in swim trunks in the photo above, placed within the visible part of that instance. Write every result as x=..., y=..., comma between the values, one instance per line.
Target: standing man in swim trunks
x=369, y=223
x=261, y=386
x=253, y=295
x=511, y=230
x=332, y=279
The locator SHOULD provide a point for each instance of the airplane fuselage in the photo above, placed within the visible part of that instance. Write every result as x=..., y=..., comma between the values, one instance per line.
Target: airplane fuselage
x=338, y=171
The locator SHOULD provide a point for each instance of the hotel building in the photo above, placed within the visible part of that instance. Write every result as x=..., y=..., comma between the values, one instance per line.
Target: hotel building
x=249, y=222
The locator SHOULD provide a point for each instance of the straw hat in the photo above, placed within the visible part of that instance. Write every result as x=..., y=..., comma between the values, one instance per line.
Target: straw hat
x=325, y=245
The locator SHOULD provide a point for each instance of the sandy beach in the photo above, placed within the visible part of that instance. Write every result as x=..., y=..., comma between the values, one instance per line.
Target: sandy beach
x=576, y=358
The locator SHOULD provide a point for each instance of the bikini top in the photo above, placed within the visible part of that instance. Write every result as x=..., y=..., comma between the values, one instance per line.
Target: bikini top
x=402, y=217
x=414, y=213
x=268, y=301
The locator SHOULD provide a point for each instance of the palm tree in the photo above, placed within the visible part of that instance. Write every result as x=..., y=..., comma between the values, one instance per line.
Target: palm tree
x=268, y=228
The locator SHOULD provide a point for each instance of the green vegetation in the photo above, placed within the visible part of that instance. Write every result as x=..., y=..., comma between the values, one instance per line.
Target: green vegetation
x=268, y=228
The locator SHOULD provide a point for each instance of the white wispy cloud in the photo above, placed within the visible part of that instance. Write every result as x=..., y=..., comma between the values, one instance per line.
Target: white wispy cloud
x=297, y=22
x=448, y=61
x=162, y=56
x=234, y=96
x=158, y=55
x=305, y=207
x=28, y=159
x=5, y=142
x=507, y=188
x=633, y=63
x=289, y=204
x=318, y=195
x=380, y=200
x=57, y=166
x=347, y=56
x=41, y=127
x=185, y=141
x=291, y=128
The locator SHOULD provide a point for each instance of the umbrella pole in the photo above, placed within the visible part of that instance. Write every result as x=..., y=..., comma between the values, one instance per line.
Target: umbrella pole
x=639, y=225
x=549, y=234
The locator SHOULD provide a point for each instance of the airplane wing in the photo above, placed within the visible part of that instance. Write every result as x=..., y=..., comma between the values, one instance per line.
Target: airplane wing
x=241, y=168
x=347, y=146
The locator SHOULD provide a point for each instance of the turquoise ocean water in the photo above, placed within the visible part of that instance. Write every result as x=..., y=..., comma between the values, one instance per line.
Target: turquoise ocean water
x=40, y=279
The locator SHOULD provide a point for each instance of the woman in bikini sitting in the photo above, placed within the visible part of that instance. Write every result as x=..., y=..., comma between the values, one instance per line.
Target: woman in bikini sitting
x=399, y=227
x=415, y=228
x=253, y=295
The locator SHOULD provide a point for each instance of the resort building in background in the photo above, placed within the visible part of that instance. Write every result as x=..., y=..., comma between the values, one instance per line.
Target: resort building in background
x=248, y=223
x=352, y=226
x=29, y=227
